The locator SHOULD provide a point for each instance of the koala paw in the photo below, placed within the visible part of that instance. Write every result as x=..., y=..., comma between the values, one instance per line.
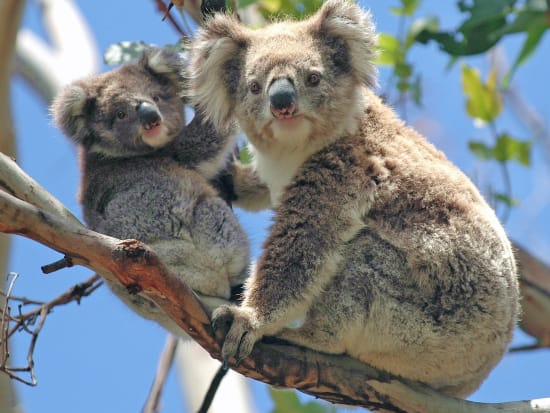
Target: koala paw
x=236, y=324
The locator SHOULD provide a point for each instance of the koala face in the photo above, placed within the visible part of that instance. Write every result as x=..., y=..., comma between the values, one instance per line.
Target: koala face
x=130, y=111
x=290, y=83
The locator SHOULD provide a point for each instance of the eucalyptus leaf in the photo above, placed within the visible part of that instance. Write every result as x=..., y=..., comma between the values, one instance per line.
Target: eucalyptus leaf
x=481, y=150
x=506, y=199
x=483, y=100
x=508, y=148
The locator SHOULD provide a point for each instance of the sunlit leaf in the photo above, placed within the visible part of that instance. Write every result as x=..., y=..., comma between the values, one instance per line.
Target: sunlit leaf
x=389, y=48
x=483, y=100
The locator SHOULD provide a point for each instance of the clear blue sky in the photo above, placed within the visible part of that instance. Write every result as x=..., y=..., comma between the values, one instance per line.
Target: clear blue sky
x=100, y=357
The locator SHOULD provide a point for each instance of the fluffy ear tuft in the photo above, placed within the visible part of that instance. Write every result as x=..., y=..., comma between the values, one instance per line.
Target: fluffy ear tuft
x=341, y=22
x=69, y=110
x=215, y=67
x=166, y=62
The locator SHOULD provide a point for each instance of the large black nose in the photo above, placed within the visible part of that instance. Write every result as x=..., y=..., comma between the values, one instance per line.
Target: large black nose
x=148, y=115
x=282, y=94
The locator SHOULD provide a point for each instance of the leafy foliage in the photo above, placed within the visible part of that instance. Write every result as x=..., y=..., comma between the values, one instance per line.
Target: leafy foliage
x=393, y=51
x=505, y=149
x=487, y=23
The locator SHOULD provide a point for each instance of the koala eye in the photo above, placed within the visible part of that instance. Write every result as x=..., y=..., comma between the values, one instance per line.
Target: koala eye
x=120, y=114
x=254, y=87
x=156, y=98
x=313, y=79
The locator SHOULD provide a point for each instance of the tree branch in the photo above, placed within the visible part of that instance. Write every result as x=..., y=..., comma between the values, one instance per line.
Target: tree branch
x=10, y=18
x=166, y=359
x=338, y=379
x=25, y=322
x=535, y=296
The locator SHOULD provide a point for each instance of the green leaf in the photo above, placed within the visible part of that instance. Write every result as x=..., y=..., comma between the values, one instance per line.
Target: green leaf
x=416, y=90
x=403, y=70
x=390, y=50
x=245, y=156
x=506, y=199
x=124, y=52
x=408, y=7
x=483, y=100
x=430, y=24
x=534, y=34
x=509, y=149
x=481, y=150
x=478, y=33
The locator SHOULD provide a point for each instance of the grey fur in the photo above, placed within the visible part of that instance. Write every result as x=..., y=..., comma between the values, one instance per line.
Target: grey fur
x=149, y=180
x=380, y=247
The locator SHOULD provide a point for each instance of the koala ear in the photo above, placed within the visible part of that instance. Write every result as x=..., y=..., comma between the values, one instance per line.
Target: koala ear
x=166, y=62
x=69, y=110
x=215, y=68
x=349, y=32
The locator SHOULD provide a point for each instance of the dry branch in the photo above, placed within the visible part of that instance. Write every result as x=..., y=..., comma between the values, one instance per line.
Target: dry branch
x=338, y=379
x=32, y=323
x=152, y=404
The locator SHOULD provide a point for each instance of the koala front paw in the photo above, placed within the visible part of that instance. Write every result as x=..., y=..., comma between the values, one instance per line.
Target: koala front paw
x=236, y=324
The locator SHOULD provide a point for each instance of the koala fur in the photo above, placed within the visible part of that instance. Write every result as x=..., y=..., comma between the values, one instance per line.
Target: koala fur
x=380, y=247
x=145, y=175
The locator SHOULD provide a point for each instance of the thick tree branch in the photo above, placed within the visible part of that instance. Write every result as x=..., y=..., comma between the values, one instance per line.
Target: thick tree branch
x=337, y=379
x=10, y=17
x=535, y=300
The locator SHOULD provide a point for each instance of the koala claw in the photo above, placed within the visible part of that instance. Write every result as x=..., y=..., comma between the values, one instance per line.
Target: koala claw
x=236, y=325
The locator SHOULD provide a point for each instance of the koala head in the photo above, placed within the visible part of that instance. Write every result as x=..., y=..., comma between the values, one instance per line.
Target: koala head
x=290, y=81
x=132, y=110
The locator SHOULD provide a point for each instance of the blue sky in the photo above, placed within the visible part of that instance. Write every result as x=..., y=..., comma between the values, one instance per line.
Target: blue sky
x=100, y=357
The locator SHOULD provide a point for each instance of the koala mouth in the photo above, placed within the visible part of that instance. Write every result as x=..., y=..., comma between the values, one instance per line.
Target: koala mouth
x=284, y=113
x=151, y=125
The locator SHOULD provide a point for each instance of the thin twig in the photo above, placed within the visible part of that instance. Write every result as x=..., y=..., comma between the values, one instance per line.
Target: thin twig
x=165, y=362
x=23, y=321
x=65, y=262
x=535, y=346
x=6, y=316
x=214, y=385
x=163, y=8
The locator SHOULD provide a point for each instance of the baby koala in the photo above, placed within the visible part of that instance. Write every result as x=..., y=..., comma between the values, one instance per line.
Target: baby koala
x=145, y=175
x=380, y=247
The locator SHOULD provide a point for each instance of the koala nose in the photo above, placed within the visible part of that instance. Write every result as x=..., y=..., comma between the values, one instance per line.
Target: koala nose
x=282, y=98
x=148, y=115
